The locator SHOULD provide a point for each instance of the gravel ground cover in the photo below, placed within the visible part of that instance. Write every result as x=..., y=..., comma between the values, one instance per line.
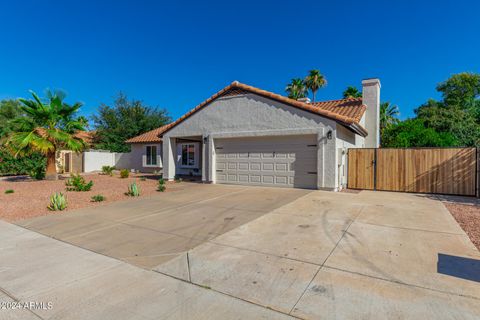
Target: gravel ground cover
x=31, y=198
x=468, y=217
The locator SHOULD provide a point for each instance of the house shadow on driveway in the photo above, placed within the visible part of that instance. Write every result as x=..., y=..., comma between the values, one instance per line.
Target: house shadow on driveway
x=459, y=267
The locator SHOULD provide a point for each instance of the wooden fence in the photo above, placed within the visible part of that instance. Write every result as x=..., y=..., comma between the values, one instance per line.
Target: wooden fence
x=423, y=170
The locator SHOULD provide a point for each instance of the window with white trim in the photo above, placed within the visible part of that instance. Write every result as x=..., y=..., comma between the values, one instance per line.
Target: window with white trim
x=188, y=155
x=151, y=153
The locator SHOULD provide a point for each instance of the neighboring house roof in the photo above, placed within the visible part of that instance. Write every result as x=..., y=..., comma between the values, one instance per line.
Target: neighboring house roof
x=347, y=112
x=352, y=108
x=87, y=136
x=149, y=136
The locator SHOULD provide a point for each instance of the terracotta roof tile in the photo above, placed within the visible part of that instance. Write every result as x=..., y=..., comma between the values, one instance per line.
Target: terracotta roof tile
x=346, y=111
x=352, y=108
x=150, y=136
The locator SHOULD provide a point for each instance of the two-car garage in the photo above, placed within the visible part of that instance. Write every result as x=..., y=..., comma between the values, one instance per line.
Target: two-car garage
x=283, y=161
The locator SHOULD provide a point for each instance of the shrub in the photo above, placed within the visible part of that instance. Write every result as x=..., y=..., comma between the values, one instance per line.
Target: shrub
x=98, y=198
x=33, y=165
x=58, y=202
x=178, y=178
x=9, y=191
x=77, y=183
x=133, y=190
x=37, y=173
x=108, y=170
x=143, y=179
x=161, y=185
x=124, y=173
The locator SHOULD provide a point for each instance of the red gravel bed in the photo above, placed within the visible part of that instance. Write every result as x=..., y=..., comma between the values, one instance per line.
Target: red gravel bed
x=468, y=217
x=31, y=198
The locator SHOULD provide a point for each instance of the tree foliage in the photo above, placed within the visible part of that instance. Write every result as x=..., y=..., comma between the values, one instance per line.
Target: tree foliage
x=296, y=89
x=314, y=81
x=414, y=133
x=125, y=120
x=352, y=92
x=388, y=115
x=452, y=121
x=48, y=126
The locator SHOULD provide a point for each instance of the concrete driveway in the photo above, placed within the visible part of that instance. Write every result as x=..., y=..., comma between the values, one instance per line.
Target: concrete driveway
x=149, y=231
x=286, y=253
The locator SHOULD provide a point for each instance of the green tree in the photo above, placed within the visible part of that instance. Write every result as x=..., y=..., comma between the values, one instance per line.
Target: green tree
x=414, y=133
x=352, y=92
x=125, y=120
x=48, y=126
x=314, y=81
x=9, y=110
x=296, y=89
x=388, y=115
x=461, y=90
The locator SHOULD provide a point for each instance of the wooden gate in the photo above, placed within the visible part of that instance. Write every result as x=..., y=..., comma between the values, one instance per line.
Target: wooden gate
x=361, y=169
x=423, y=170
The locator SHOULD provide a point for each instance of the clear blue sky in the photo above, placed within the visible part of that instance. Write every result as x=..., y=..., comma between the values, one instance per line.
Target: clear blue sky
x=175, y=54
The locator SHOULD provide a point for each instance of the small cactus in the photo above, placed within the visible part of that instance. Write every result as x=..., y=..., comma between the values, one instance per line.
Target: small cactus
x=133, y=190
x=58, y=202
x=161, y=185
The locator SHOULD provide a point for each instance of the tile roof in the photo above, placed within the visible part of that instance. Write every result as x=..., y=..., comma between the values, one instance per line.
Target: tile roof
x=150, y=136
x=345, y=111
x=352, y=108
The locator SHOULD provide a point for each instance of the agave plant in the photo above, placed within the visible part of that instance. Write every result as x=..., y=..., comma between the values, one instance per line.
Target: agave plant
x=133, y=190
x=58, y=202
x=161, y=185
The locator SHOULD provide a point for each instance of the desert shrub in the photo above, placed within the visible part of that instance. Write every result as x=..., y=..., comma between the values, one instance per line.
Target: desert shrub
x=178, y=178
x=58, y=202
x=133, y=190
x=124, y=173
x=33, y=165
x=37, y=173
x=108, y=170
x=9, y=191
x=161, y=185
x=143, y=179
x=77, y=183
x=98, y=198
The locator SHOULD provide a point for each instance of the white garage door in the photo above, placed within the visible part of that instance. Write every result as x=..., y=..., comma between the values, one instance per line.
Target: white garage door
x=287, y=161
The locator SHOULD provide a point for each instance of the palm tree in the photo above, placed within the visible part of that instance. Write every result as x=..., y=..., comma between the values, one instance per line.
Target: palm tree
x=351, y=92
x=46, y=128
x=314, y=81
x=296, y=89
x=388, y=115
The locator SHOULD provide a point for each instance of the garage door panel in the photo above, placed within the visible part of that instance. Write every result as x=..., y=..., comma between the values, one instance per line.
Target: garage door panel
x=276, y=161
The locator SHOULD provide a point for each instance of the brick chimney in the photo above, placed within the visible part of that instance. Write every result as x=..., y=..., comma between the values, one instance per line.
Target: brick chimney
x=371, y=98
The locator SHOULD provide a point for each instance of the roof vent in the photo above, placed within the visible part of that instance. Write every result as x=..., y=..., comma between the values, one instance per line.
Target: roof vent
x=306, y=100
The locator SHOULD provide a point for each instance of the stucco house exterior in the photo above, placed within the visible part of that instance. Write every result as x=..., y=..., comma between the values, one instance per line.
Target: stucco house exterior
x=245, y=135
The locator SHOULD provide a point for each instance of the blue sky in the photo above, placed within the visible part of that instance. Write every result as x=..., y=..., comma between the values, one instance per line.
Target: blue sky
x=175, y=54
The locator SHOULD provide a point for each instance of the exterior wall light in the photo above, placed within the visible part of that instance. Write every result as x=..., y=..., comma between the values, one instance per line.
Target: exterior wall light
x=205, y=140
x=329, y=134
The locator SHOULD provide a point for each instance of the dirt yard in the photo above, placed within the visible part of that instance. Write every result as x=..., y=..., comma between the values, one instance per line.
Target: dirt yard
x=468, y=217
x=31, y=198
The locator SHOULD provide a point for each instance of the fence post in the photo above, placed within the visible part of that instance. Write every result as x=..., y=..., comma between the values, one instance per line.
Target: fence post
x=477, y=175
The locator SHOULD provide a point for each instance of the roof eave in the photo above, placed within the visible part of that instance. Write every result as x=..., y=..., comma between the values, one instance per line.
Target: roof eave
x=356, y=128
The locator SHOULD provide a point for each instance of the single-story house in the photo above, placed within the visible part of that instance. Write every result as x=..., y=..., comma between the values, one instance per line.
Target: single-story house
x=245, y=135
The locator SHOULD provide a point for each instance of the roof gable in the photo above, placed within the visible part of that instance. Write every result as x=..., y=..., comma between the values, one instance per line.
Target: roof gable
x=347, y=112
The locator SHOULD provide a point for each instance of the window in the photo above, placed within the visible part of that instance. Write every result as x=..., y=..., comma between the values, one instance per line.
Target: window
x=151, y=156
x=188, y=155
